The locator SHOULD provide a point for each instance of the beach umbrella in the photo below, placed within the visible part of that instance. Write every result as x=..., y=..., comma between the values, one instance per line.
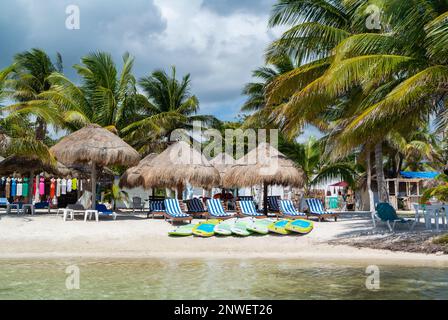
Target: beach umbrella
x=264, y=166
x=342, y=184
x=132, y=178
x=97, y=147
x=178, y=165
x=26, y=165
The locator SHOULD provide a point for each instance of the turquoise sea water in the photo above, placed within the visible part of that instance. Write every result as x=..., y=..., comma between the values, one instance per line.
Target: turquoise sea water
x=214, y=279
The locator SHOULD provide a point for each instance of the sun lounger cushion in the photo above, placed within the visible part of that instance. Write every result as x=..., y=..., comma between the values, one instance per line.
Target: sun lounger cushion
x=172, y=208
x=248, y=208
x=215, y=208
x=157, y=206
x=195, y=205
x=287, y=208
x=102, y=209
x=315, y=206
x=273, y=203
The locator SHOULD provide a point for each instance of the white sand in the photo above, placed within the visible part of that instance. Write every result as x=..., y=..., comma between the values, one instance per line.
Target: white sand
x=48, y=236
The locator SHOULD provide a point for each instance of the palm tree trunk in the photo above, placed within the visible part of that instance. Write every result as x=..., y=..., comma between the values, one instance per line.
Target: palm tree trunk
x=382, y=188
x=369, y=182
x=41, y=129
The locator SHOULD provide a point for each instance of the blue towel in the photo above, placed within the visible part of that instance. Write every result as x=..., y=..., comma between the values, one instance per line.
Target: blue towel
x=215, y=208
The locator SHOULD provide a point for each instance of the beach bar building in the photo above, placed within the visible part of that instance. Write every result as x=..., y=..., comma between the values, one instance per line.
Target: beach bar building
x=408, y=187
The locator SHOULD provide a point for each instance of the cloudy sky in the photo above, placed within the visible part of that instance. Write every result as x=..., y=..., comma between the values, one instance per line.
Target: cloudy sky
x=218, y=41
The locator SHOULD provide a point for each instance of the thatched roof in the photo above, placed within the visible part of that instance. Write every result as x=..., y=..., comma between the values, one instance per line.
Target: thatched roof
x=95, y=144
x=263, y=165
x=132, y=178
x=25, y=165
x=178, y=165
x=222, y=162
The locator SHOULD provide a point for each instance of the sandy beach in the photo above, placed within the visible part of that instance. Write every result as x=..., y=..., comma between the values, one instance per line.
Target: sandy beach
x=134, y=236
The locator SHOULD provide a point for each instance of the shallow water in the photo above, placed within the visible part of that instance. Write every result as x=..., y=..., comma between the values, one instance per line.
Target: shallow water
x=215, y=279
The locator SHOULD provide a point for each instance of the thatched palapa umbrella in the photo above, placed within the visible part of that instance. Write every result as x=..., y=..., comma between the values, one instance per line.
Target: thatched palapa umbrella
x=132, y=178
x=265, y=166
x=178, y=165
x=222, y=162
x=96, y=146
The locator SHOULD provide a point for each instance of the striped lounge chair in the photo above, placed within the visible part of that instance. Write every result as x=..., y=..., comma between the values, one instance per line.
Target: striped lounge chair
x=195, y=207
x=316, y=209
x=156, y=207
x=173, y=211
x=287, y=210
x=247, y=209
x=215, y=209
x=273, y=204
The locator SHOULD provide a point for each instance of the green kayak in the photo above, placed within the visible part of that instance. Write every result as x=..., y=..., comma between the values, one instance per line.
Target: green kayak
x=225, y=227
x=259, y=225
x=182, y=231
x=240, y=227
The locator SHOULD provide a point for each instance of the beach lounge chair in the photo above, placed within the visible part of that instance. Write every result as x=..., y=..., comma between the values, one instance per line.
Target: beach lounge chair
x=195, y=207
x=4, y=202
x=287, y=210
x=174, y=212
x=155, y=207
x=103, y=211
x=245, y=198
x=273, y=204
x=316, y=209
x=247, y=209
x=215, y=209
x=386, y=213
x=137, y=203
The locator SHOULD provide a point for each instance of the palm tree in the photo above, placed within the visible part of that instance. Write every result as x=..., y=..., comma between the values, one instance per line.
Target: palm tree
x=309, y=157
x=105, y=97
x=394, y=70
x=32, y=70
x=168, y=105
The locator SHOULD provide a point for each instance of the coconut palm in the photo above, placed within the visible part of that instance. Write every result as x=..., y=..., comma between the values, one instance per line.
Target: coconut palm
x=30, y=78
x=309, y=156
x=106, y=96
x=169, y=105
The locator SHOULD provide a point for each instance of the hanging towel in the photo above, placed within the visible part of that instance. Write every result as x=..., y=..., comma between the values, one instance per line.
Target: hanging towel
x=42, y=186
x=25, y=187
x=8, y=187
x=52, y=188
x=74, y=183
x=13, y=187
x=63, y=186
x=19, y=187
x=69, y=185
x=58, y=187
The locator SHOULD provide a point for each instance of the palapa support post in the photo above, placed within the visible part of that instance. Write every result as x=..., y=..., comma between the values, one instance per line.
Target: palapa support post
x=93, y=185
x=180, y=191
x=265, y=198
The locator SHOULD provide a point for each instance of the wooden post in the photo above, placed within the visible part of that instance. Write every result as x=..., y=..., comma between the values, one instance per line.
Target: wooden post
x=180, y=189
x=93, y=185
x=265, y=199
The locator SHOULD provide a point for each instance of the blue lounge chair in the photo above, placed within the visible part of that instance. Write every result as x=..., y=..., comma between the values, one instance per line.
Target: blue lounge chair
x=156, y=206
x=216, y=210
x=4, y=202
x=316, y=209
x=273, y=204
x=103, y=211
x=386, y=213
x=248, y=209
x=288, y=210
x=195, y=207
x=173, y=211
